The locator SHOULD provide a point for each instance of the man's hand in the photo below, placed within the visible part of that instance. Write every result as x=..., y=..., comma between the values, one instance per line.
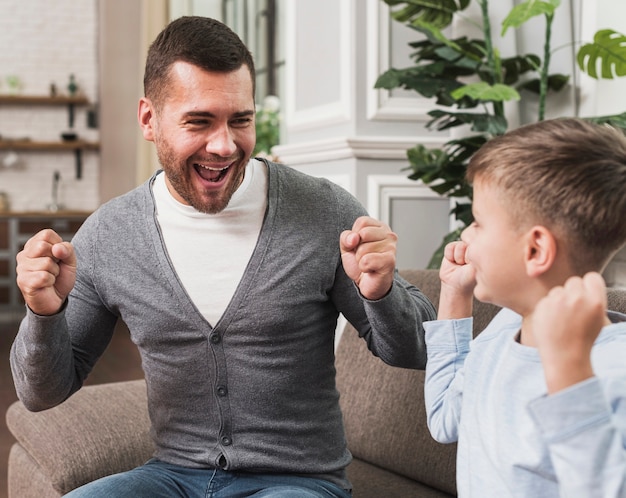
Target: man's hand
x=368, y=253
x=565, y=324
x=458, y=279
x=46, y=272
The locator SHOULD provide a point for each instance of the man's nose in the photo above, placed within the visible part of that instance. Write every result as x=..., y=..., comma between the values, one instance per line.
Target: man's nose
x=221, y=142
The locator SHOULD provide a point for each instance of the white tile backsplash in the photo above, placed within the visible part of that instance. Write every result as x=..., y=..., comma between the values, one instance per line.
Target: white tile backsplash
x=44, y=42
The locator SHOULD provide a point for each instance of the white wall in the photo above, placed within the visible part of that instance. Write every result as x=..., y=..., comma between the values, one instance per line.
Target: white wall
x=44, y=42
x=605, y=97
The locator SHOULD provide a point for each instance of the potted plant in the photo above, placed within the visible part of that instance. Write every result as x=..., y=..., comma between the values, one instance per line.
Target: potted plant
x=473, y=80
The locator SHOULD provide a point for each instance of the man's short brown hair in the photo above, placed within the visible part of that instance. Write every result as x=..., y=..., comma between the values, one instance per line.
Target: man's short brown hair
x=201, y=41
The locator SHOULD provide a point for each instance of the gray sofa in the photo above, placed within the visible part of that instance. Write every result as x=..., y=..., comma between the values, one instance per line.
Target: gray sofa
x=105, y=428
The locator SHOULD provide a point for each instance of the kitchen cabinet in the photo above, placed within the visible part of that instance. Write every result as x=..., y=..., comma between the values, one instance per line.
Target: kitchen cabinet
x=73, y=144
x=15, y=230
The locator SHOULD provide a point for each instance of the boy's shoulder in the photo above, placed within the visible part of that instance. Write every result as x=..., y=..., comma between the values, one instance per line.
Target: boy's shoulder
x=609, y=349
x=615, y=332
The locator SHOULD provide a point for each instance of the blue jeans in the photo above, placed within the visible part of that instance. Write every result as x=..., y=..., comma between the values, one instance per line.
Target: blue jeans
x=158, y=479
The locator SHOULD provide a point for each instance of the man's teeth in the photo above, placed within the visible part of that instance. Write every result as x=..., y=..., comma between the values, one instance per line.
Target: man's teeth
x=211, y=173
x=212, y=169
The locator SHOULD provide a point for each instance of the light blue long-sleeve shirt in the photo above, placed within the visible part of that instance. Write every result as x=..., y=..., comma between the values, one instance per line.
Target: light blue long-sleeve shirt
x=490, y=395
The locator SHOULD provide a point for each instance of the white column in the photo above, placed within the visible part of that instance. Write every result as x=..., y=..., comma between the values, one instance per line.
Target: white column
x=339, y=127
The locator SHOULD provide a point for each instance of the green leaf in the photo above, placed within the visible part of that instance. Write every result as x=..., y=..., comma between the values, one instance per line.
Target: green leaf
x=616, y=120
x=556, y=82
x=436, y=12
x=463, y=213
x=608, y=51
x=462, y=149
x=481, y=122
x=514, y=67
x=527, y=10
x=435, y=36
x=423, y=80
x=485, y=92
x=444, y=120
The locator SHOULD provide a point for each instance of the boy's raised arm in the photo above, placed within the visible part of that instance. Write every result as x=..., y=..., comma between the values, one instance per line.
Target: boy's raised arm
x=458, y=280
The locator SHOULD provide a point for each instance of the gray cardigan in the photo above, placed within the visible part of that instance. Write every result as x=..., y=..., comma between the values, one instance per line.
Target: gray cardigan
x=257, y=390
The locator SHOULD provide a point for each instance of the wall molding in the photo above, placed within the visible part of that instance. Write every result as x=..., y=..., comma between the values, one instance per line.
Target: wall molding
x=346, y=148
x=383, y=189
x=332, y=113
x=381, y=104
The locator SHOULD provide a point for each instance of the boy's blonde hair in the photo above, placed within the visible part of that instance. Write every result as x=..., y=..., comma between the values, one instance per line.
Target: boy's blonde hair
x=566, y=174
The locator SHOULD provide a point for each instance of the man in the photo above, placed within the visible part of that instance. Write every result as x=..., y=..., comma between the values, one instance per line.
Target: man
x=230, y=273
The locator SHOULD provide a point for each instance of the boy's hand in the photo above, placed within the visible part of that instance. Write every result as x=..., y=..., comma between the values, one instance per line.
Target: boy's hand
x=368, y=253
x=458, y=279
x=565, y=324
x=46, y=272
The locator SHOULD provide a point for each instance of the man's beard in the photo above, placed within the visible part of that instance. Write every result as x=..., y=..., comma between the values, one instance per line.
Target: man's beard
x=204, y=202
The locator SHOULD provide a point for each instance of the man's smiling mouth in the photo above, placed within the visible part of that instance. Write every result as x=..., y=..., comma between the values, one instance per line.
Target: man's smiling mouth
x=211, y=173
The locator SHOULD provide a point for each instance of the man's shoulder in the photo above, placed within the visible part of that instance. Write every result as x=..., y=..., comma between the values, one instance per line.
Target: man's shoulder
x=127, y=209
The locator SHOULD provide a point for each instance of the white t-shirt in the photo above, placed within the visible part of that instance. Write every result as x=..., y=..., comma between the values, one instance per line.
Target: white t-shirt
x=210, y=252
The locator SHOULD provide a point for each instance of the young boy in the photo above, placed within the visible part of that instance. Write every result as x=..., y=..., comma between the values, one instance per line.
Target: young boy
x=537, y=402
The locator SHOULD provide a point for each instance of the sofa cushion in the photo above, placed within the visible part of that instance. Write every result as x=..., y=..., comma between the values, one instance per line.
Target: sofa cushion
x=26, y=478
x=68, y=442
x=385, y=418
x=373, y=482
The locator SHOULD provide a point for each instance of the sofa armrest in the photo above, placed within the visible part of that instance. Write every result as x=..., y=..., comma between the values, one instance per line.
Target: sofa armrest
x=101, y=430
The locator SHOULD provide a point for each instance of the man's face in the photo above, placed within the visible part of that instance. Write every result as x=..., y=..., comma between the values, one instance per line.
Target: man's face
x=204, y=133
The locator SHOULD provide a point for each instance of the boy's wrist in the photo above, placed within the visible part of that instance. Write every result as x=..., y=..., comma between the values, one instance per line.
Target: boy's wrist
x=563, y=373
x=454, y=303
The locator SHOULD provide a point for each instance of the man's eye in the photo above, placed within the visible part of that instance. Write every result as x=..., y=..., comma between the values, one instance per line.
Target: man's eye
x=242, y=121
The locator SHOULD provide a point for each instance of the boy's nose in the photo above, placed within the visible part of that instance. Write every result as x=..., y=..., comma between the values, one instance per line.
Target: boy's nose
x=466, y=234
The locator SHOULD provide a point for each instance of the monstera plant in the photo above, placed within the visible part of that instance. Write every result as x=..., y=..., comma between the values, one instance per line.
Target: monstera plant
x=470, y=82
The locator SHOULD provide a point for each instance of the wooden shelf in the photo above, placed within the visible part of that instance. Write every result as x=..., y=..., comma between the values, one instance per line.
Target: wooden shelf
x=42, y=100
x=32, y=145
x=25, y=144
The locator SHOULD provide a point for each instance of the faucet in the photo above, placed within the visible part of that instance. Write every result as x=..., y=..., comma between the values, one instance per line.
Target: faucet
x=55, y=206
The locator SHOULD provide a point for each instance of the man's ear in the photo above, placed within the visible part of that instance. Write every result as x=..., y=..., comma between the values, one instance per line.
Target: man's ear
x=145, y=114
x=540, y=253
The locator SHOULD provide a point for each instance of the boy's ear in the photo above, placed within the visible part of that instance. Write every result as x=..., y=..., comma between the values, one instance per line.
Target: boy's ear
x=540, y=253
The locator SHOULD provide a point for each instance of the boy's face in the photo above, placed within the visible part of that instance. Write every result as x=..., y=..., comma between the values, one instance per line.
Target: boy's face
x=495, y=247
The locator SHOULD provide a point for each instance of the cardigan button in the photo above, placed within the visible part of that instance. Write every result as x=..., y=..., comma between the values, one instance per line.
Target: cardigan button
x=215, y=338
x=222, y=391
x=226, y=441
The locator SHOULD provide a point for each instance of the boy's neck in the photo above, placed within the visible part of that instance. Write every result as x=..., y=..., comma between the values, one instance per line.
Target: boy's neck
x=526, y=335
